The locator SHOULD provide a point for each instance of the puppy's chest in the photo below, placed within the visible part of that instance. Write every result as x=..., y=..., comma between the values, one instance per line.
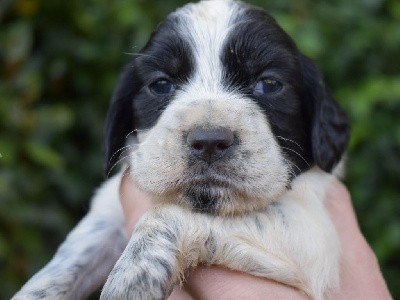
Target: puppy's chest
x=260, y=235
x=292, y=241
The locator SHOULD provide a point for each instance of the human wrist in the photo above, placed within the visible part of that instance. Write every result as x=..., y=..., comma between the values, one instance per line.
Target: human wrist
x=219, y=283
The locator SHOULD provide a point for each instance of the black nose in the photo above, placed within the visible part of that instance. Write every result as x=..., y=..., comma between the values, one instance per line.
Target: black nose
x=210, y=144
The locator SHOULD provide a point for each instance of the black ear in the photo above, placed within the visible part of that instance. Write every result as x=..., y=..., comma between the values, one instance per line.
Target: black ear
x=120, y=118
x=330, y=127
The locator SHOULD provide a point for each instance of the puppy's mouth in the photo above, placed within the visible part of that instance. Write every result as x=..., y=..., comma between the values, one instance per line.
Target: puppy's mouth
x=212, y=176
x=208, y=191
x=207, y=197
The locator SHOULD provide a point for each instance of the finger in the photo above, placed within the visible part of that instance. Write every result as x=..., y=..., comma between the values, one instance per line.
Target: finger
x=180, y=293
x=213, y=282
x=340, y=207
x=134, y=202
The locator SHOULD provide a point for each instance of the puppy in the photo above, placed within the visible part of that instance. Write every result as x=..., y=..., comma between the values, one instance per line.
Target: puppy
x=235, y=135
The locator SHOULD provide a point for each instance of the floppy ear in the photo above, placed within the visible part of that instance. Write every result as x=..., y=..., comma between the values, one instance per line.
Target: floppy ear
x=330, y=128
x=120, y=118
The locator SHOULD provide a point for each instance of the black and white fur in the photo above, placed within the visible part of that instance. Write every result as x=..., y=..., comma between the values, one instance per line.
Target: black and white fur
x=235, y=135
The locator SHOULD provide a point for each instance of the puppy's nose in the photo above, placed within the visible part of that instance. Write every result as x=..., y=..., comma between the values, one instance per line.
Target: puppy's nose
x=210, y=144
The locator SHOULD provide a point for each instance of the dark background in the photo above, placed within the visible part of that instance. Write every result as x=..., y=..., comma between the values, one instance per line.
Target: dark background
x=59, y=61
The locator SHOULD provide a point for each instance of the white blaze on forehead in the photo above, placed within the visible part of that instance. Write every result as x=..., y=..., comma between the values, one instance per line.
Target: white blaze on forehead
x=162, y=163
x=206, y=26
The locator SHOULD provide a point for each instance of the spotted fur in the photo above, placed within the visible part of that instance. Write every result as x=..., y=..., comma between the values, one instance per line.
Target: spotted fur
x=257, y=208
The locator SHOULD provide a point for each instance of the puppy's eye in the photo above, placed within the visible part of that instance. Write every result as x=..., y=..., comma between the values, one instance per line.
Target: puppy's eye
x=267, y=86
x=162, y=87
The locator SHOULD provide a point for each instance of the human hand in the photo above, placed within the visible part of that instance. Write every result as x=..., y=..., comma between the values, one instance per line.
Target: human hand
x=361, y=277
x=360, y=274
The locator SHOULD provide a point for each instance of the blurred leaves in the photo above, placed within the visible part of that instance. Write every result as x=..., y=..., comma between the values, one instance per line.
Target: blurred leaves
x=59, y=62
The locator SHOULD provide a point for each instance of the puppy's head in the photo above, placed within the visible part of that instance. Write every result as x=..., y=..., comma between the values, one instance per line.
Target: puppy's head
x=225, y=109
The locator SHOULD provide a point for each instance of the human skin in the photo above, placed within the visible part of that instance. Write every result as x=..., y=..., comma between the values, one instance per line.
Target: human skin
x=361, y=277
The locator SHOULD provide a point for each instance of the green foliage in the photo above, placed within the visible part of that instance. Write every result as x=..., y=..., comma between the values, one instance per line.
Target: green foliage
x=59, y=61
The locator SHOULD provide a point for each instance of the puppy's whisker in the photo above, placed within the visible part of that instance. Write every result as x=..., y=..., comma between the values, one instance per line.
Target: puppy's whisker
x=298, y=154
x=116, y=163
x=130, y=53
x=288, y=140
x=290, y=165
x=121, y=150
x=129, y=133
x=138, y=54
x=152, y=57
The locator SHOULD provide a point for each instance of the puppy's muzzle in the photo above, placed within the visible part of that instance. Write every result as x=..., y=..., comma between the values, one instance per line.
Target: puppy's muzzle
x=210, y=144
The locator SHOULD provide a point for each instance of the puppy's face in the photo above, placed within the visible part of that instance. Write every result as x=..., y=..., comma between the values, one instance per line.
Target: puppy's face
x=227, y=111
